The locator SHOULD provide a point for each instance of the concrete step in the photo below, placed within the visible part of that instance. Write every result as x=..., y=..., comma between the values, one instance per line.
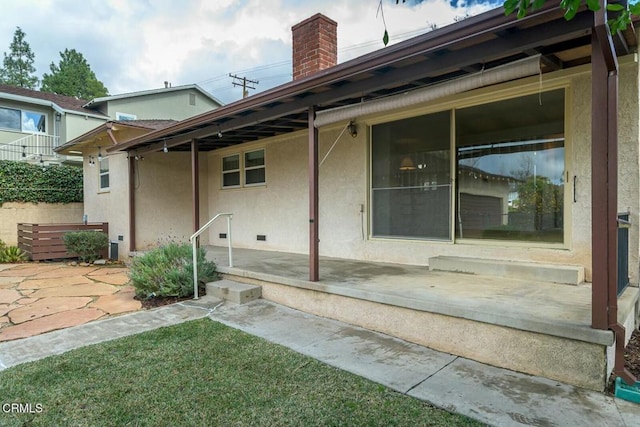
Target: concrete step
x=555, y=273
x=239, y=293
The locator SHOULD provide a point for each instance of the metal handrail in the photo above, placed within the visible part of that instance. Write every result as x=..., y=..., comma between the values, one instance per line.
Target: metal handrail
x=193, y=239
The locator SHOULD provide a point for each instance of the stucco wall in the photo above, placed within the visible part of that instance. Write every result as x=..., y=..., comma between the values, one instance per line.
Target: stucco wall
x=164, y=201
x=173, y=105
x=279, y=210
x=36, y=213
x=75, y=125
x=110, y=206
x=162, y=196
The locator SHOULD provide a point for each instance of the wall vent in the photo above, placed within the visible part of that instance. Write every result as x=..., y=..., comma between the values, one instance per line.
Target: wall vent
x=261, y=237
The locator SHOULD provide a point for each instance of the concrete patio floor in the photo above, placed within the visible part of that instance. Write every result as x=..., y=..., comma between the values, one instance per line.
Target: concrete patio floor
x=542, y=307
x=41, y=297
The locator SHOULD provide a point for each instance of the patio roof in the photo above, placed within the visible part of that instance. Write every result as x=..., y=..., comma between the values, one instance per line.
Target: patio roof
x=481, y=42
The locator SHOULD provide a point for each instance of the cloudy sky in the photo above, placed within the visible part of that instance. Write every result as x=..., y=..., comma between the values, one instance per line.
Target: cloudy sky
x=135, y=45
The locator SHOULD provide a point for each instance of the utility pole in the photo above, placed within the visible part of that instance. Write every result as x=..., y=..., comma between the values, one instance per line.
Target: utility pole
x=244, y=82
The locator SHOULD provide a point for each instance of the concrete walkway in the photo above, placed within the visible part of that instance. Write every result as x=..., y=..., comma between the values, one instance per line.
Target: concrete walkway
x=494, y=396
x=41, y=297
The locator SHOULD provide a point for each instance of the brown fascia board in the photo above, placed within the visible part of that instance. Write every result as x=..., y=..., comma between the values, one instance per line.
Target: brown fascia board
x=96, y=131
x=491, y=21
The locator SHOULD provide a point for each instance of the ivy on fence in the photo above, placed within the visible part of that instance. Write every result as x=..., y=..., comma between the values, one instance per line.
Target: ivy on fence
x=24, y=182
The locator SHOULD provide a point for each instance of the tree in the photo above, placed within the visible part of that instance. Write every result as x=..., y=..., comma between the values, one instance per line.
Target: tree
x=17, y=67
x=623, y=13
x=73, y=77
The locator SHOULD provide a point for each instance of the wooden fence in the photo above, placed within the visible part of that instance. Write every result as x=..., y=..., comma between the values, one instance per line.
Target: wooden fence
x=46, y=241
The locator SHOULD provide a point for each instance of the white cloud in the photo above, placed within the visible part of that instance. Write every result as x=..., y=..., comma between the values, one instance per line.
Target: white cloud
x=137, y=45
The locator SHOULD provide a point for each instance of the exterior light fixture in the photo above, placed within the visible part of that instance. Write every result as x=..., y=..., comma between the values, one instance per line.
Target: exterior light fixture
x=24, y=154
x=99, y=154
x=165, y=148
x=353, y=130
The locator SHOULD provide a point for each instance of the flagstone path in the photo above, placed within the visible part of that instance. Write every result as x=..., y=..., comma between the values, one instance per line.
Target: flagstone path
x=38, y=298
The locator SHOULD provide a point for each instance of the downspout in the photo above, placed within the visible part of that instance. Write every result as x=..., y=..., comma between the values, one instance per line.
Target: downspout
x=604, y=61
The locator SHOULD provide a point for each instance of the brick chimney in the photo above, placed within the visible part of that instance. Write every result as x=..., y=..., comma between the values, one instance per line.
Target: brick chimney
x=315, y=45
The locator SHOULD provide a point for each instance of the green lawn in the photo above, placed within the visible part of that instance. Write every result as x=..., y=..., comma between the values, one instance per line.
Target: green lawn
x=202, y=373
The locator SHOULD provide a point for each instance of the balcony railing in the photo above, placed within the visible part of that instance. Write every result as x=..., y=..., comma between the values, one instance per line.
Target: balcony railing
x=30, y=147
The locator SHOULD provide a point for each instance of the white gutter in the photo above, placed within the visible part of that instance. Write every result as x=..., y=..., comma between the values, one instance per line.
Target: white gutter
x=29, y=100
x=511, y=71
x=46, y=103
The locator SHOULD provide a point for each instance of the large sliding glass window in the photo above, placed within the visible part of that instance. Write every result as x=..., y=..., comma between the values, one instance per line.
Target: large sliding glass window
x=411, y=179
x=510, y=168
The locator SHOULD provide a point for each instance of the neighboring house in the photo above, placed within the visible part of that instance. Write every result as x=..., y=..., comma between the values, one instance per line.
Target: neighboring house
x=34, y=123
x=481, y=140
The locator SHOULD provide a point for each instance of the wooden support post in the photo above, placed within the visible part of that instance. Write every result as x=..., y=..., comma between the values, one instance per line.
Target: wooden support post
x=314, y=264
x=132, y=203
x=195, y=187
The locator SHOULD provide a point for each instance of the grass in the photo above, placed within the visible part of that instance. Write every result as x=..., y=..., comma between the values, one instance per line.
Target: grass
x=202, y=373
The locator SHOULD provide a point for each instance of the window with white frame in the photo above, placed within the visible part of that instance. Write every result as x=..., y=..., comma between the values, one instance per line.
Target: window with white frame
x=125, y=116
x=231, y=171
x=104, y=174
x=254, y=168
x=22, y=120
x=244, y=170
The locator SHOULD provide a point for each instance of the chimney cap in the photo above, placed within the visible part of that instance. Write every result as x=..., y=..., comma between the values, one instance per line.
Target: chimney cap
x=313, y=18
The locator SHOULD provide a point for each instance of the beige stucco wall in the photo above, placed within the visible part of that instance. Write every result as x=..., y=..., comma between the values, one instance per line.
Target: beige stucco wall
x=172, y=105
x=75, y=125
x=279, y=210
x=35, y=213
x=163, y=199
x=110, y=206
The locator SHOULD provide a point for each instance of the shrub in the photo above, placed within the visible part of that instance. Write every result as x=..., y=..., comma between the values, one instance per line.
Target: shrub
x=87, y=244
x=167, y=271
x=24, y=182
x=12, y=254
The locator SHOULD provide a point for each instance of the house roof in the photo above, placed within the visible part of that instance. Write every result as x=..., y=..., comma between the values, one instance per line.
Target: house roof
x=98, y=101
x=68, y=103
x=105, y=134
x=481, y=42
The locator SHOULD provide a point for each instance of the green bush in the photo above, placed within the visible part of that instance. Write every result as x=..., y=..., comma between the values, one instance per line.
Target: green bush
x=167, y=271
x=11, y=254
x=24, y=182
x=86, y=244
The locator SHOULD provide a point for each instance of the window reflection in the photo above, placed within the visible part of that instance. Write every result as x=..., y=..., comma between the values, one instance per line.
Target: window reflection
x=511, y=169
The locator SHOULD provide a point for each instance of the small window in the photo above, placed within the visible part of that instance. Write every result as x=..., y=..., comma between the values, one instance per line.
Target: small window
x=192, y=99
x=125, y=116
x=231, y=171
x=104, y=174
x=254, y=169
